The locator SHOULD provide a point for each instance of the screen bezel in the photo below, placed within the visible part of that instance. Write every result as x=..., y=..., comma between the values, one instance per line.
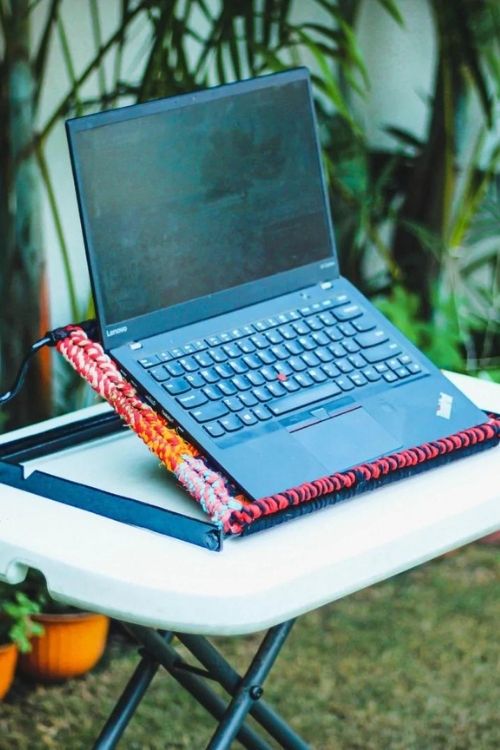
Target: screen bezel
x=116, y=333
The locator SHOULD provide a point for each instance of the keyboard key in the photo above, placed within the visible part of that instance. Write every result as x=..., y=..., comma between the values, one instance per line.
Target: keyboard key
x=287, y=332
x=314, y=323
x=239, y=366
x=247, y=417
x=248, y=398
x=356, y=360
x=414, y=368
x=191, y=399
x=371, y=338
x=268, y=372
x=241, y=382
x=259, y=341
x=164, y=356
x=262, y=394
x=317, y=375
x=346, y=329
x=393, y=363
x=339, y=299
x=189, y=364
x=231, y=423
x=217, y=354
x=351, y=346
x=310, y=359
x=224, y=370
x=246, y=346
x=213, y=392
x=390, y=376
x=188, y=349
x=174, y=387
x=304, y=398
x=405, y=359
x=213, y=341
x=307, y=342
x=280, y=352
x=266, y=356
x=214, y=429
x=327, y=318
x=382, y=351
x=320, y=338
x=233, y=403
x=301, y=327
x=175, y=368
x=337, y=350
x=177, y=352
x=297, y=364
x=255, y=377
x=290, y=385
x=274, y=337
x=195, y=380
x=159, y=374
x=347, y=312
x=334, y=334
x=262, y=413
x=303, y=379
x=227, y=387
x=204, y=359
x=381, y=367
x=344, y=366
x=232, y=350
x=199, y=345
x=345, y=383
x=364, y=323
x=294, y=347
x=324, y=354
x=402, y=372
x=358, y=378
x=211, y=411
x=210, y=375
x=330, y=370
x=371, y=374
x=252, y=361
x=276, y=389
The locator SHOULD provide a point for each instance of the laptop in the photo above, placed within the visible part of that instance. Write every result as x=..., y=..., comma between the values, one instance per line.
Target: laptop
x=218, y=293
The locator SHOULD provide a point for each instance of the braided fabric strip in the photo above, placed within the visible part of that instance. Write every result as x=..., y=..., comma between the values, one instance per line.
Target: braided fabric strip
x=181, y=458
x=232, y=512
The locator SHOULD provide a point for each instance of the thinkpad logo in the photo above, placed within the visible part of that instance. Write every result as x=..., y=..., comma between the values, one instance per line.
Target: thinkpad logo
x=445, y=404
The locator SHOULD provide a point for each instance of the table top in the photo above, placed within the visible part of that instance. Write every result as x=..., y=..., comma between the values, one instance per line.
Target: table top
x=140, y=576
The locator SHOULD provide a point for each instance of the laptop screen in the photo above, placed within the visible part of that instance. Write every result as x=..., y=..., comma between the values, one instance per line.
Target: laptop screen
x=201, y=197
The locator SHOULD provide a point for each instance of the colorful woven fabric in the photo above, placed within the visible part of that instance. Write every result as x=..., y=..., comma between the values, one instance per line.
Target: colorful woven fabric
x=218, y=497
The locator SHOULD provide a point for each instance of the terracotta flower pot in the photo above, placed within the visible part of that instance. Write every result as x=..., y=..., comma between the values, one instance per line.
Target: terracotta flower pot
x=8, y=660
x=70, y=646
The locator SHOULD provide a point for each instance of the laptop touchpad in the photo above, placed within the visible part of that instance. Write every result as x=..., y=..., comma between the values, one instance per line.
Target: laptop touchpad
x=346, y=440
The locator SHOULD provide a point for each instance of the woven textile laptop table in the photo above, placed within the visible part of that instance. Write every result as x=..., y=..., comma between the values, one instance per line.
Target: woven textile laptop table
x=155, y=582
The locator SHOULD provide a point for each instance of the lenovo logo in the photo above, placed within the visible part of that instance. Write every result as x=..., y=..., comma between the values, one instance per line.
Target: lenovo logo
x=116, y=331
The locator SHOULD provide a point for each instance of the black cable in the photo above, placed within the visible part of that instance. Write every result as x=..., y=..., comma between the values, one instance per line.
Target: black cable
x=50, y=339
x=21, y=373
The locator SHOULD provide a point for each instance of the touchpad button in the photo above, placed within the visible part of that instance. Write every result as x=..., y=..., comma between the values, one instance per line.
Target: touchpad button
x=346, y=440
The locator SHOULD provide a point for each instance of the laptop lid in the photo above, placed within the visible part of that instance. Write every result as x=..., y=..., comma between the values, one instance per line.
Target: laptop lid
x=198, y=204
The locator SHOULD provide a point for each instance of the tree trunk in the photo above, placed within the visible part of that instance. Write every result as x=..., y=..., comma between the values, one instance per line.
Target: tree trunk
x=20, y=244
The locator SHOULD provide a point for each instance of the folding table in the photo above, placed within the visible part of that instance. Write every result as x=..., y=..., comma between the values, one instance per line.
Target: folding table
x=160, y=586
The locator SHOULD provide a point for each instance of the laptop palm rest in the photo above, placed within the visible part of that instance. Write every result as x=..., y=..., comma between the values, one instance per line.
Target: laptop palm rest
x=348, y=439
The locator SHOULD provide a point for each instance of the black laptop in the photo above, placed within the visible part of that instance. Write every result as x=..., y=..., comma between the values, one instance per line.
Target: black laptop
x=217, y=288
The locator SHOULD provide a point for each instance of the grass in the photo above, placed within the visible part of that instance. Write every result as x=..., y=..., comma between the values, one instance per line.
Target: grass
x=409, y=664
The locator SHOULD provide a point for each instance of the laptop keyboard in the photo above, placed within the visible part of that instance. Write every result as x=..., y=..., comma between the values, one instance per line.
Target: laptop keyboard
x=245, y=376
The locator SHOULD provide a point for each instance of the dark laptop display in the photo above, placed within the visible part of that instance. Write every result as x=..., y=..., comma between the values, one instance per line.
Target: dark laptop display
x=217, y=289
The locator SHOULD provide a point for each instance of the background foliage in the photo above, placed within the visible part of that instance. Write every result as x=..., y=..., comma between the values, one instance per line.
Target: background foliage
x=417, y=227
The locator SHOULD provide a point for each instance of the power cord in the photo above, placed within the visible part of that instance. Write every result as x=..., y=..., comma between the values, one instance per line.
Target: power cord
x=50, y=339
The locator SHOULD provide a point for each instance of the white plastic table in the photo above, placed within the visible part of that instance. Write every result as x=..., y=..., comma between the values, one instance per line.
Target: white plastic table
x=256, y=582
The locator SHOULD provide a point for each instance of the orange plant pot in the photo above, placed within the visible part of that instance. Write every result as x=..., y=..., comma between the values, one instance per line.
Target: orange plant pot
x=8, y=660
x=70, y=646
